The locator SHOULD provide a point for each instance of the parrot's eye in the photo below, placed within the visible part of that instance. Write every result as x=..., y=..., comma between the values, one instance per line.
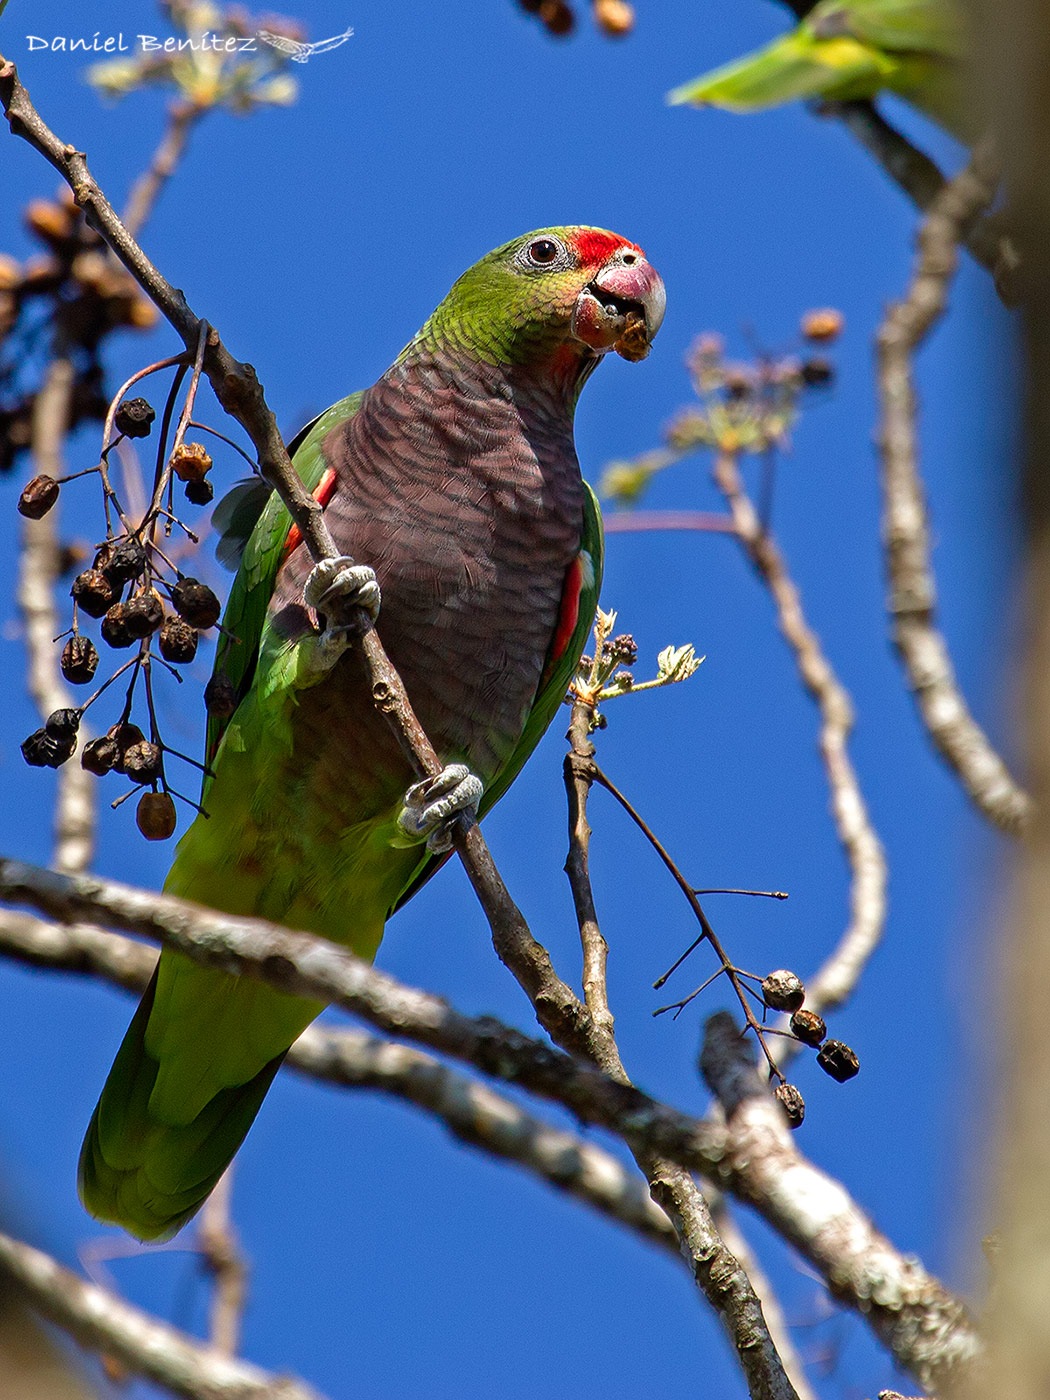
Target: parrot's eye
x=543, y=251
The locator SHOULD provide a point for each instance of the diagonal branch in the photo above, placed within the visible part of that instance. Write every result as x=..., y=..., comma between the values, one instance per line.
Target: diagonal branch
x=472, y=1112
x=238, y=389
x=913, y=595
x=800, y=1202
x=102, y=1321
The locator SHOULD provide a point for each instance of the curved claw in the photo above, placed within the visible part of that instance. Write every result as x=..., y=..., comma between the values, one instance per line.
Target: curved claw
x=341, y=580
x=431, y=806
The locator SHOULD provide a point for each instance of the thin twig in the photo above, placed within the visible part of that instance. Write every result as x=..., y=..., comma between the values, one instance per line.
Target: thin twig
x=717, y=1272
x=912, y=591
x=221, y=1253
x=38, y=570
x=182, y=117
x=729, y=969
x=857, y=836
x=630, y=522
x=102, y=1321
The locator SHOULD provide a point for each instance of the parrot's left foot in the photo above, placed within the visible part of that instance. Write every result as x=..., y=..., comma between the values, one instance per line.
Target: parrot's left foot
x=431, y=806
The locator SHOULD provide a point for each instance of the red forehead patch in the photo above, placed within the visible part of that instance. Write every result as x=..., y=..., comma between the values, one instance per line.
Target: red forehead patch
x=596, y=246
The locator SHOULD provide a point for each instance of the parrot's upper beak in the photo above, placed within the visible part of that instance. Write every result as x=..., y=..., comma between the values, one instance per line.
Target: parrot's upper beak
x=622, y=307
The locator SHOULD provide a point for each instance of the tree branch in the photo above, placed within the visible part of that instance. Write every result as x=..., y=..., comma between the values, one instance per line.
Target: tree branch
x=103, y=1322
x=860, y=843
x=803, y=1205
x=240, y=393
x=472, y=1112
x=718, y=1274
x=74, y=821
x=927, y=1330
x=912, y=598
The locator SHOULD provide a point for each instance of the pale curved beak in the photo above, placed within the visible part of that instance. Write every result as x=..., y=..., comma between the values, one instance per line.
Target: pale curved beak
x=628, y=286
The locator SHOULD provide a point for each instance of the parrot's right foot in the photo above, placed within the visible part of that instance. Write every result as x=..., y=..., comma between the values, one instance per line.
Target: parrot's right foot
x=431, y=806
x=336, y=585
x=341, y=581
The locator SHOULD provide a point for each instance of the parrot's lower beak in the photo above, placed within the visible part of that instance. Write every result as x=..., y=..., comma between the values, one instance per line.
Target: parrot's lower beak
x=622, y=308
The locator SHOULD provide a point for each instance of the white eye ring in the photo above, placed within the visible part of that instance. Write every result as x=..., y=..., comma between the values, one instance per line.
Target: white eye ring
x=542, y=252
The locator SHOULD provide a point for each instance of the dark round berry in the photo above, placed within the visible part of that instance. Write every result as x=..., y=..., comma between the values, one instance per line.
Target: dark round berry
x=200, y=493
x=178, y=641
x=125, y=736
x=783, y=990
x=196, y=603
x=143, y=615
x=115, y=630
x=63, y=724
x=809, y=1027
x=79, y=660
x=793, y=1104
x=93, y=592
x=38, y=497
x=816, y=372
x=134, y=418
x=220, y=698
x=125, y=561
x=142, y=762
x=44, y=750
x=155, y=816
x=838, y=1060
x=100, y=755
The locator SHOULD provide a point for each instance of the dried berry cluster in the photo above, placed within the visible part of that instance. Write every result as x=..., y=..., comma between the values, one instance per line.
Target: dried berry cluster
x=140, y=598
x=613, y=17
x=77, y=291
x=744, y=407
x=783, y=991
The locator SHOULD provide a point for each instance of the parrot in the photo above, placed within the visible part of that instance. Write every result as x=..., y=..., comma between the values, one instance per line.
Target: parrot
x=846, y=50
x=453, y=491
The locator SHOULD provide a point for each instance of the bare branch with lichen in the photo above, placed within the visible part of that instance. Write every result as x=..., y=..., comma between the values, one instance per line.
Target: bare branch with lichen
x=912, y=603
x=146, y=1347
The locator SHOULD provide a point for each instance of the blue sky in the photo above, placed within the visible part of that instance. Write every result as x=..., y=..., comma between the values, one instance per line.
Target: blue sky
x=387, y=1260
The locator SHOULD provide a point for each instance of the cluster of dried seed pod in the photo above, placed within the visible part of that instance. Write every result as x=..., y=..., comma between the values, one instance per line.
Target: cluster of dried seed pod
x=126, y=588
x=783, y=990
x=73, y=285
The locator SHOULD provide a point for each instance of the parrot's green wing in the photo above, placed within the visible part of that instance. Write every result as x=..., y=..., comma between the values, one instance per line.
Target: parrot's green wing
x=256, y=523
x=579, y=602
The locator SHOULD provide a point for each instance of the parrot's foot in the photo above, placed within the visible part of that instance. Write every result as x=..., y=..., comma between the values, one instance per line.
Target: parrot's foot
x=341, y=581
x=431, y=806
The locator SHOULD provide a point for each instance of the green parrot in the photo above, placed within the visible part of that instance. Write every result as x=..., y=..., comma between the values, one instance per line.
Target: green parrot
x=845, y=50
x=453, y=490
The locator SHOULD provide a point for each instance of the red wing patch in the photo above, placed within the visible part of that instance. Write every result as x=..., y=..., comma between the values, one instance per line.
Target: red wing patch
x=569, y=612
x=323, y=493
x=594, y=245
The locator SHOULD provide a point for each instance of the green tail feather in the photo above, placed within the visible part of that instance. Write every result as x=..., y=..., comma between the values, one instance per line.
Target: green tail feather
x=147, y=1175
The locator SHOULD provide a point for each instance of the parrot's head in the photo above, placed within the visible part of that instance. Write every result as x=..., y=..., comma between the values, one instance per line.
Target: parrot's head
x=557, y=297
